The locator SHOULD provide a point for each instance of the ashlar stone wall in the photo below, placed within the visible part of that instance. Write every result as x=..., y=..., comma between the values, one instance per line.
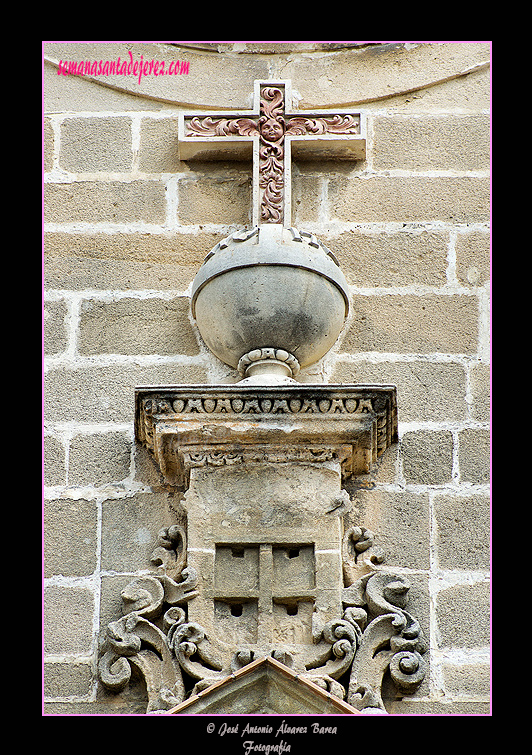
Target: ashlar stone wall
x=126, y=227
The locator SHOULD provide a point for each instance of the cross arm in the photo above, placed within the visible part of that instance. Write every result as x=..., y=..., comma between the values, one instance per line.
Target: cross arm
x=270, y=135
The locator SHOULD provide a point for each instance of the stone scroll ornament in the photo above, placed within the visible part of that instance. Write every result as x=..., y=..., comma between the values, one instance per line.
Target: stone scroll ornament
x=348, y=657
x=271, y=128
x=153, y=606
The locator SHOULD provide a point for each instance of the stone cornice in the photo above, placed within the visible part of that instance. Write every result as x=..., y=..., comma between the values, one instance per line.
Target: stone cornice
x=208, y=425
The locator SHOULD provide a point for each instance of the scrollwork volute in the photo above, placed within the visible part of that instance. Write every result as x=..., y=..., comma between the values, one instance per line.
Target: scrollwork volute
x=375, y=636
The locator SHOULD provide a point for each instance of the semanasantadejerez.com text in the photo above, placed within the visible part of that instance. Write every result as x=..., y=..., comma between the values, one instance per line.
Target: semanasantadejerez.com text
x=127, y=67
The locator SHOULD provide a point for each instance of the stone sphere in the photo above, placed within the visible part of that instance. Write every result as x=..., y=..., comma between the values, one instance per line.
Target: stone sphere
x=270, y=287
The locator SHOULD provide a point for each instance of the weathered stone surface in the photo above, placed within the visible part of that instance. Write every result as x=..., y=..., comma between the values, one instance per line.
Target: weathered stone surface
x=473, y=258
x=474, y=455
x=54, y=326
x=99, y=202
x=462, y=525
x=89, y=145
x=70, y=538
x=214, y=199
x=413, y=324
x=68, y=619
x=67, y=679
x=480, y=392
x=432, y=143
x=426, y=391
x=410, y=199
x=54, y=461
x=103, y=393
x=467, y=680
x=136, y=326
x=401, y=523
x=99, y=459
x=391, y=259
x=463, y=616
x=128, y=527
x=427, y=457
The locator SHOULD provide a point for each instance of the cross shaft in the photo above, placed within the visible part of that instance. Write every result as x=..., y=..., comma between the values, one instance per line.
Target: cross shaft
x=270, y=135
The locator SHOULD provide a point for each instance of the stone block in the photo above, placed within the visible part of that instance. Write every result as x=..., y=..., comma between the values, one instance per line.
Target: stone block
x=473, y=258
x=99, y=459
x=136, y=326
x=292, y=623
x=450, y=142
x=406, y=258
x=68, y=614
x=426, y=391
x=467, y=680
x=70, y=537
x=48, y=145
x=236, y=622
x=129, y=530
x=146, y=469
x=427, y=457
x=67, y=679
x=286, y=511
x=54, y=327
x=307, y=198
x=167, y=248
x=54, y=461
x=474, y=456
x=463, y=529
x=413, y=324
x=381, y=199
x=480, y=377
x=463, y=616
x=214, y=199
x=105, y=202
x=156, y=261
x=158, y=149
x=447, y=707
x=105, y=393
x=77, y=273
x=89, y=145
x=400, y=522
x=471, y=92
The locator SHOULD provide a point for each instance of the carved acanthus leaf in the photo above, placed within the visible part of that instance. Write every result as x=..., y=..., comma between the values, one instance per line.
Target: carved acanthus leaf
x=221, y=126
x=335, y=124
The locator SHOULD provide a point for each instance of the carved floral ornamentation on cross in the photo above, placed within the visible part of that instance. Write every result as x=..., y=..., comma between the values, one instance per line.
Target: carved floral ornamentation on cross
x=277, y=133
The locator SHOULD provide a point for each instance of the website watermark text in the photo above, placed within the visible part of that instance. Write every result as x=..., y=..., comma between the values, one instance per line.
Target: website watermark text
x=126, y=67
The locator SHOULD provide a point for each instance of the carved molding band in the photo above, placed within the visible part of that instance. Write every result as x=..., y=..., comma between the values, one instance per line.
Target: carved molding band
x=317, y=401
x=259, y=355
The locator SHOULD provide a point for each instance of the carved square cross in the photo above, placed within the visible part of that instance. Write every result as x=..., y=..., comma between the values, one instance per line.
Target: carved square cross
x=257, y=588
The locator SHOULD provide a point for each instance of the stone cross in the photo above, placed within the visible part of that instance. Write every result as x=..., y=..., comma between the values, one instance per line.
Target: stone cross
x=271, y=134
